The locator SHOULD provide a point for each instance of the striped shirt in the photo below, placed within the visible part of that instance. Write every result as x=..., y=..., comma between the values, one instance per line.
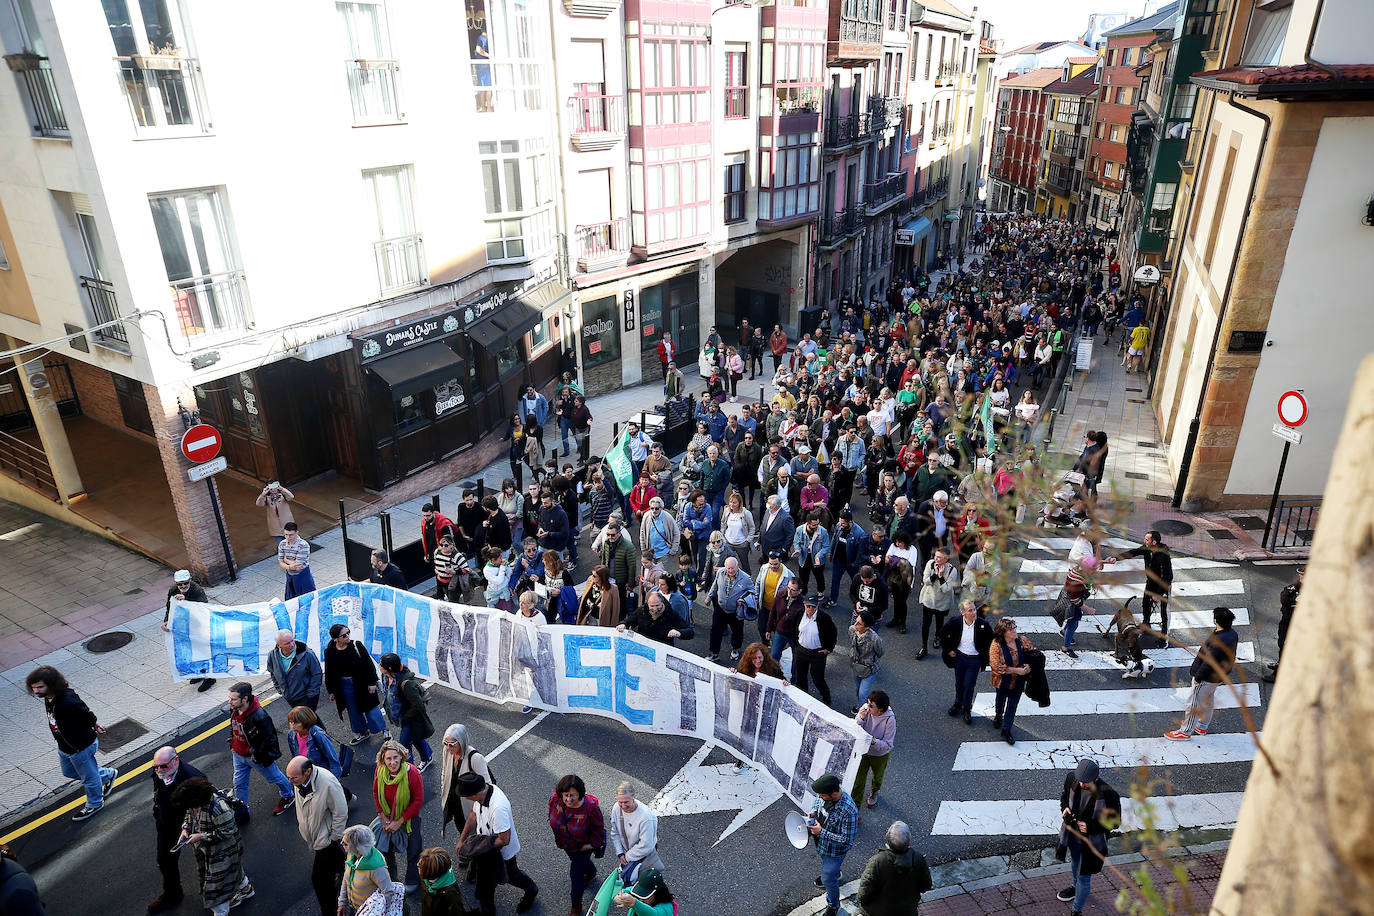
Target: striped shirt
x=446, y=564
x=298, y=552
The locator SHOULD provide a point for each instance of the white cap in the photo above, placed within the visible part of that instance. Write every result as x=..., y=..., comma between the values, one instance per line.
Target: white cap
x=182, y=575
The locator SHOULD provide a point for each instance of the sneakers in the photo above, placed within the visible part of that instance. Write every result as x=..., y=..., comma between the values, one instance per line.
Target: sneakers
x=1068, y=650
x=1177, y=735
x=1066, y=895
x=283, y=805
x=734, y=655
x=818, y=882
x=1200, y=730
x=424, y=764
x=358, y=739
x=244, y=893
x=86, y=813
x=922, y=654
x=205, y=685
x=527, y=901
x=526, y=709
x=108, y=785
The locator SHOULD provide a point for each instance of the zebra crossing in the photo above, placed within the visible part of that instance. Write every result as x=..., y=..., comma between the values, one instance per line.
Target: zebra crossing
x=1013, y=790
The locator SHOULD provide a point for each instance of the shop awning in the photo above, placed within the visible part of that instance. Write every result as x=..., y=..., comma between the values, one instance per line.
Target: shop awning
x=412, y=371
x=917, y=227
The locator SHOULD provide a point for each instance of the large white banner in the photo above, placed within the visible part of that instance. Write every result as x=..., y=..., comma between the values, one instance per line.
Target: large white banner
x=496, y=656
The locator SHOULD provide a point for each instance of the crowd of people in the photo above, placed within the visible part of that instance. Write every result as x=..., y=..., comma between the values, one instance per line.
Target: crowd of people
x=898, y=445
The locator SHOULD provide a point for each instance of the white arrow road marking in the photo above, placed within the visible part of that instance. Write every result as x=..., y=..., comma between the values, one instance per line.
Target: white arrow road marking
x=1037, y=817
x=1116, y=702
x=1135, y=564
x=1232, y=747
x=1196, y=589
x=697, y=789
x=1096, y=623
x=1093, y=660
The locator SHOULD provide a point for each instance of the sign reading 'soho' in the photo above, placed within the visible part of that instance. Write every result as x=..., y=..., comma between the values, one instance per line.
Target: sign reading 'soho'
x=494, y=655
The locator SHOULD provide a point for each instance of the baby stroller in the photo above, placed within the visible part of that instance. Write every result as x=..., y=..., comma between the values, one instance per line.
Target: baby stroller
x=1065, y=506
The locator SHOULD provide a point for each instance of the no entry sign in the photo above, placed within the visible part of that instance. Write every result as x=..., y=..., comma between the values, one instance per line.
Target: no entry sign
x=1292, y=408
x=200, y=443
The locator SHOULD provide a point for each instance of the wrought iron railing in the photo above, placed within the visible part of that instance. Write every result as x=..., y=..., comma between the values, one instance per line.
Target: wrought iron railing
x=35, y=72
x=105, y=308
x=375, y=89
x=1293, y=525
x=400, y=262
x=881, y=192
x=211, y=304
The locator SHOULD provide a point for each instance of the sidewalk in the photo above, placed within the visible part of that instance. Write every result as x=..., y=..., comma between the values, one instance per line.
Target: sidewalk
x=1138, y=482
x=985, y=886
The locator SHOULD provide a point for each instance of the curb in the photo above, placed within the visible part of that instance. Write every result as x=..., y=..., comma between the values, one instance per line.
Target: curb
x=953, y=889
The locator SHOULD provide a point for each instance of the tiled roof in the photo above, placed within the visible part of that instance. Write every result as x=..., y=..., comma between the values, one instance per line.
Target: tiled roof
x=1288, y=76
x=986, y=47
x=1160, y=18
x=1082, y=84
x=1036, y=47
x=1083, y=60
x=942, y=6
x=1033, y=79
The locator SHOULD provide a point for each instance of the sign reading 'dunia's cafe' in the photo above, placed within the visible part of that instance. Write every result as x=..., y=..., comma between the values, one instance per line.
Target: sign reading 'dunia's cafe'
x=494, y=655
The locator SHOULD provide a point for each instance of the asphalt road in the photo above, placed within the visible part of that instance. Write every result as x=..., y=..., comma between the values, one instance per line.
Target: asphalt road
x=106, y=864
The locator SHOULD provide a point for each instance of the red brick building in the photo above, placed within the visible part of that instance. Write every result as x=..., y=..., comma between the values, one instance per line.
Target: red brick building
x=1019, y=137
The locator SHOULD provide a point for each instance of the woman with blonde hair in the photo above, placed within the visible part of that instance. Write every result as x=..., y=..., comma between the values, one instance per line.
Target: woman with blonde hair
x=399, y=792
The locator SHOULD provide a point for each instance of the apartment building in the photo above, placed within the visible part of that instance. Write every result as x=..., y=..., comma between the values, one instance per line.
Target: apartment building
x=1070, y=101
x=356, y=287
x=1268, y=259
x=1040, y=54
x=1015, y=169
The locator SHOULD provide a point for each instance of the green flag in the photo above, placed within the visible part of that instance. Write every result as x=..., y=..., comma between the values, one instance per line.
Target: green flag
x=987, y=424
x=618, y=460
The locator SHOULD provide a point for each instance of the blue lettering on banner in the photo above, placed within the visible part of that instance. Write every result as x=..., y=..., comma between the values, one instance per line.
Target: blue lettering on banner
x=624, y=681
x=248, y=649
x=379, y=640
x=324, y=608
x=749, y=690
x=573, y=646
x=414, y=654
x=182, y=650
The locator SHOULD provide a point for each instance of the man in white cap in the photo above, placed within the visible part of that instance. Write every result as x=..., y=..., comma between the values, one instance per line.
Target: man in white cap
x=184, y=588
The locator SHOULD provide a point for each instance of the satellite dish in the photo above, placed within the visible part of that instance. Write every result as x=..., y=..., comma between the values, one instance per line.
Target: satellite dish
x=795, y=826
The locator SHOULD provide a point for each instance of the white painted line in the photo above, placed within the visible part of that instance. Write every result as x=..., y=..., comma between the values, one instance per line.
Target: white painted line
x=1094, y=660
x=18, y=533
x=1123, y=700
x=1096, y=623
x=520, y=734
x=1195, y=589
x=1233, y=747
x=1135, y=564
x=1041, y=817
x=1057, y=544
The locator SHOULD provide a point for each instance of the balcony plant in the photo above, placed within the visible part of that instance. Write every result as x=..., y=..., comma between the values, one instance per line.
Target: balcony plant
x=165, y=57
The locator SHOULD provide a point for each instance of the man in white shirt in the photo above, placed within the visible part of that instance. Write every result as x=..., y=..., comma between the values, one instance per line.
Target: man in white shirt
x=491, y=817
x=965, y=641
x=639, y=446
x=813, y=635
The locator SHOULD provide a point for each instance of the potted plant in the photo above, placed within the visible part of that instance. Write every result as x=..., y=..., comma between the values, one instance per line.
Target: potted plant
x=166, y=57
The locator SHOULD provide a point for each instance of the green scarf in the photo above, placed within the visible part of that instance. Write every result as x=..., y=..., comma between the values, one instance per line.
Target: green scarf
x=401, y=781
x=445, y=880
x=370, y=862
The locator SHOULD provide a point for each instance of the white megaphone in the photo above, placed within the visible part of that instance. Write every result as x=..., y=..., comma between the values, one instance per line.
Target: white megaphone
x=795, y=826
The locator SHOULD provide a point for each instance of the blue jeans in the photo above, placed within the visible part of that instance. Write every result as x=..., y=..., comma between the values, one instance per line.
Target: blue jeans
x=83, y=766
x=862, y=686
x=243, y=765
x=830, y=877
x=838, y=567
x=1007, y=701
x=1071, y=627
x=420, y=744
x=779, y=643
x=965, y=679
x=565, y=427
x=1082, y=884
x=361, y=722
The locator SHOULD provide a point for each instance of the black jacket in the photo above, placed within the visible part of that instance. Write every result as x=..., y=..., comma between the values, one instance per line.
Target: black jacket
x=167, y=816
x=1220, y=648
x=869, y=596
x=261, y=734
x=392, y=576
x=790, y=626
x=71, y=721
x=498, y=532
x=1159, y=567
x=1087, y=804
x=645, y=624
x=193, y=593
x=1037, y=685
x=18, y=894
x=953, y=631
x=356, y=663
x=413, y=711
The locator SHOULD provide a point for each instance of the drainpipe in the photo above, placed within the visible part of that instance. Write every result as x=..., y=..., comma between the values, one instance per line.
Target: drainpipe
x=1195, y=426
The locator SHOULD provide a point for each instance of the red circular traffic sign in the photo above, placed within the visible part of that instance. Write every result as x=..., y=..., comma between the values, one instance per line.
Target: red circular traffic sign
x=201, y=442
x=1292, y=408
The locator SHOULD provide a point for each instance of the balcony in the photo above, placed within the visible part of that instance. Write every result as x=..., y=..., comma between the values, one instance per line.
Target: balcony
x=941, y=133
x=105, y=308
x=882, y=194
x=591, y=9
x=400, y=263
x=211, y=305
x=896, y=22
x=520, y=236
x=847, y=131
x=164, y=94
x=35, y=73
x=853, y=39
x=596, y=121
x=839, y=226
x=602, y=245
x=946, y=72
x=884, y=111
x=931, y=193
x=374, y=86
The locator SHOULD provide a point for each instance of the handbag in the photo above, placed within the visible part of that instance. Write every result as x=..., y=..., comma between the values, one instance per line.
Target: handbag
x=387, y=843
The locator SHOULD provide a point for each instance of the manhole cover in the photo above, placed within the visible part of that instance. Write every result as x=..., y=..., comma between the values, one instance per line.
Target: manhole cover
x=120, y=734
x=1221, y=534
x=1249, y=523
x=1173, y=526
x=108, y=642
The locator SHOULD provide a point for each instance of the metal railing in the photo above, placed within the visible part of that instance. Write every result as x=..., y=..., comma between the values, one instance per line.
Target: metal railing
x=598, y=241
x=400, y=262
x=27, y=464
x=842, y=131
x=105, y=307
x=595, y=113
x=374, y=87
x=36, y=74
x=939, y=133
x=211, y=304
x=879, y=193
x=946, y=71
x=861, y=31
x=840, y=225
x=1293, y=525
x=164, y=91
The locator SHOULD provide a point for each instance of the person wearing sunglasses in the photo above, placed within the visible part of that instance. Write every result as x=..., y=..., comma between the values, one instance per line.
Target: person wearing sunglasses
x=169, y=771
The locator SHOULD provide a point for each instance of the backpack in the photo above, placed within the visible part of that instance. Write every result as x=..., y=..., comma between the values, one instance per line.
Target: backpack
x=240, y=809
x=491, y=776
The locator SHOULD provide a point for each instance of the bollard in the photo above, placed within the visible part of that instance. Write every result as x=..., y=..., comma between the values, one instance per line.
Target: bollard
x=481, y=490
x=434, y=500
x=385, y=519
x=761, y=391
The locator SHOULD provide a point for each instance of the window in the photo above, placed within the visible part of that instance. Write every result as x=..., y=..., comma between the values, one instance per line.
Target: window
x=1109, y=170
x=930, y=45
x=372, y=75
x=1163, y=199
x=677, y=76
x=1123, y=96
x=736, y=81
x=208, y=291
x=539, y=336
x=734, y=192
x=517, y=197
x=396, y=246
x=1117, y=133
x=507, y=52
x=160, y=75
x=789, y=180
x=1126, y=56
x=1267, y=29
x=1185, y=98
x=600, y=332
x=796, y=71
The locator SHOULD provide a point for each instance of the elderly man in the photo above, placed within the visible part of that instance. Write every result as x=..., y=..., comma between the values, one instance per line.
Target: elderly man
x=895, y=878
x=657, y=621
x=834, y=822
x=321, y=815
x=634, y=834
x=295, y=671
x=715, y=477
x=777, y=528
x=812, y=635
x=168, y=772
x=933, y=524
x=814, y=495
x=965, y=642
x=184, y=588
x=491, y=817
x=732, y=601
x=659, y=532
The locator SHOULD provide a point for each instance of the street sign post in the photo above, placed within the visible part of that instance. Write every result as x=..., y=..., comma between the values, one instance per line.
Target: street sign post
x=201, y=442
x=1292, y=413
x=213, y=466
